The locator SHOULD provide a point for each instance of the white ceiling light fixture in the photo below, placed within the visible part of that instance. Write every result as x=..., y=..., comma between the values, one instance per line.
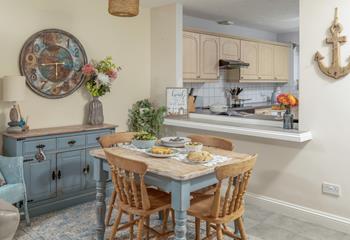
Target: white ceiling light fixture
x=225, y=22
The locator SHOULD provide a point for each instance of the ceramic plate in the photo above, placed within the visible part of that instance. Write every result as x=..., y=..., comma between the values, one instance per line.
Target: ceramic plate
x=174, y=141
x=149, y=153
x=196, y=163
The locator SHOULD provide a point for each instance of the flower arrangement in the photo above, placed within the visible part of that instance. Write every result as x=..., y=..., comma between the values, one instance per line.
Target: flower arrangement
x=287, y=100
x=100, y=76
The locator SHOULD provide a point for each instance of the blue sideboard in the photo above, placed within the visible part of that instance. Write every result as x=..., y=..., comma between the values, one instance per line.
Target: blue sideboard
x=58, y=168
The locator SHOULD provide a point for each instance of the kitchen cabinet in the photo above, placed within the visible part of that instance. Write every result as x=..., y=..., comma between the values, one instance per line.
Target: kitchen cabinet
x=65, y=175
x=266, y=61
x=209, y=57
x=191, y=55
x=281, y=63
x=230, y=49
x=250, y=54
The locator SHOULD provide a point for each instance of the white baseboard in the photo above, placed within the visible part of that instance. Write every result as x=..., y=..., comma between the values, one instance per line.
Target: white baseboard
x=328, y=220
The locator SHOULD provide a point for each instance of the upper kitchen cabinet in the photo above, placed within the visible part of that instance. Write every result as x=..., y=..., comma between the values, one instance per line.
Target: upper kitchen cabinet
x=281, y=63
x=191, y=55
x=266, y=61
x=209, y=57
x=250, y=54
x=230, y=49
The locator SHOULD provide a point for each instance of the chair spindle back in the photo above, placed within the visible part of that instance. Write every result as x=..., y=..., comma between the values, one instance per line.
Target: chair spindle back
x=237, y=176
x=128, y=179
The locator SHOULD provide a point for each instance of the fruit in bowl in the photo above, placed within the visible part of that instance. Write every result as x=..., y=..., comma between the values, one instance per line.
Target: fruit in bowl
x=144, y=140
x=193, y=146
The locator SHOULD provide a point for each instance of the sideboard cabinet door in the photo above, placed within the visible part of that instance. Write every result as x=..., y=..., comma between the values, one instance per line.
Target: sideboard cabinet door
x=40, y=178
x=70, y=171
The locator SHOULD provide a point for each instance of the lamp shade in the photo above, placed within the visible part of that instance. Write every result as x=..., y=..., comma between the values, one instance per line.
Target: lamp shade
x=13, y=88
x=123, y=8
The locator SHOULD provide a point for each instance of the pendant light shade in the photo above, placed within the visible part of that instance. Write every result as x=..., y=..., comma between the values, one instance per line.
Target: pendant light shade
x=124, y=8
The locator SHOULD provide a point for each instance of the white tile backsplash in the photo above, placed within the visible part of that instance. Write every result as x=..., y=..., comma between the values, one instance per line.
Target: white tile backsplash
x=214, y=92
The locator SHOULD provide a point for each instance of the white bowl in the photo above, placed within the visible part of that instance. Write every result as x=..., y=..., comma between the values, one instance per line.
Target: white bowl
x=190, y=147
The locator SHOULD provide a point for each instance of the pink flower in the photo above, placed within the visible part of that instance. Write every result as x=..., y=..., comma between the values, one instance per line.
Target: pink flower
x=88, y=69
x=112, y=74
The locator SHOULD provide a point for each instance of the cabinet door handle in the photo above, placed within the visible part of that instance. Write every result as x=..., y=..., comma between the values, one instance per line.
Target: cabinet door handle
x=40, y=146
x=53, y=175
x=88, y=168
x=59, y=174
x=71, y=143
x=198, y=76
x=28, y=160
x=98, y=139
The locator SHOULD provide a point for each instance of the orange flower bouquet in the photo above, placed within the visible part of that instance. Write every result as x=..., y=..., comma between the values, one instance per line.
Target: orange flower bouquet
x=287, y=100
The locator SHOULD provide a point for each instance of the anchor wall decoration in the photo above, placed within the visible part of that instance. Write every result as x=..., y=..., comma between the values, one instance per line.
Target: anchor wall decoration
x=335, y=71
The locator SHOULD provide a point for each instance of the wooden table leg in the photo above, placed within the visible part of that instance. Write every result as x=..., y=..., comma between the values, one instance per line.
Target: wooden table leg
x=180, y=201
x=101, y=177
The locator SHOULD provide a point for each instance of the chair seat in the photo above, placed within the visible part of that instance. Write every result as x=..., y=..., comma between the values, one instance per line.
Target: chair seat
x=159, y=200
x=12, y=193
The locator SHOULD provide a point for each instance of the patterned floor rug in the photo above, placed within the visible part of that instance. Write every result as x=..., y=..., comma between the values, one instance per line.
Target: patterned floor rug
x=77, y=223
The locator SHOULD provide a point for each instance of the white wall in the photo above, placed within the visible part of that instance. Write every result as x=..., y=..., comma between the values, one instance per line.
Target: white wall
x=166, y=59
x=127, y=40
x=294, y=172
x=212, y=26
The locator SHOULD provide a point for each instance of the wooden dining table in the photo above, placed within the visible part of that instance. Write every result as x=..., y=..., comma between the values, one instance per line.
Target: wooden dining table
x=171, y=175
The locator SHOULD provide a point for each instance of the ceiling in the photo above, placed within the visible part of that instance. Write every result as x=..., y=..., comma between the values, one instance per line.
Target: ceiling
x=271, y=15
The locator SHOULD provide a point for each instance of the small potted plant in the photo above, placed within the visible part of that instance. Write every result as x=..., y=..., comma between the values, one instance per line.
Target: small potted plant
x=144, y=140
x=99, y=78
x=287, y=101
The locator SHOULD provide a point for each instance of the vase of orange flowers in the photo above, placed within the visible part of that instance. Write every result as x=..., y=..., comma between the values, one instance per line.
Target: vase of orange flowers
x=287, y=101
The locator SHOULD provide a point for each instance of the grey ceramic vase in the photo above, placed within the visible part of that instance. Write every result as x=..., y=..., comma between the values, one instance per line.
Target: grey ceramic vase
x=95, y=116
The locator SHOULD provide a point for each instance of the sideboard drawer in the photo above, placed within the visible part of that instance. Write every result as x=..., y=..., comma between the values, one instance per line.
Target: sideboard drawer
x=92, y=138
x=73, y=142
x=31, y=147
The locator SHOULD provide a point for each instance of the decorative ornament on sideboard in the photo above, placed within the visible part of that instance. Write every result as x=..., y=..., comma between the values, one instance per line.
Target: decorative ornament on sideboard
x=335, y=71
x=13, y=88
x=51, y=60
x=99, y=78
x=123, y=8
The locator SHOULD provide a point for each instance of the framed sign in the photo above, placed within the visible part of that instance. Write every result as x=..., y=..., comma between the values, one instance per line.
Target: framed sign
x=176, y=101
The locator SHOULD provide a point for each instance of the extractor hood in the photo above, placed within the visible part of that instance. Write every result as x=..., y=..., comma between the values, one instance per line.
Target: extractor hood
x=232, y=64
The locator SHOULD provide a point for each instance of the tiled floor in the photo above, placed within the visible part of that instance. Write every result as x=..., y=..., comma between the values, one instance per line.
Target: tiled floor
x=77, y=223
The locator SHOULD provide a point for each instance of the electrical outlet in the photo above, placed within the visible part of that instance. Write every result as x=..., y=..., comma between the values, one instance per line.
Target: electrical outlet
x=331, y=189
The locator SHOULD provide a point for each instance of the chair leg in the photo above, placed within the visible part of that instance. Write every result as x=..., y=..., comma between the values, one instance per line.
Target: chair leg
x=26, y=212
x=198, y=225
x=207, y=229
x=147, y=224
x=173, y=217
x=110, y=207
x=140, y=228
x=165, y=214
x=116, y=224
x=131, y=233
x=219, y=232
x=241, y=229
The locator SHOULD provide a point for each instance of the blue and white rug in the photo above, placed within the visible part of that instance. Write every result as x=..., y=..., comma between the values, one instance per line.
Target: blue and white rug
x=78, y=223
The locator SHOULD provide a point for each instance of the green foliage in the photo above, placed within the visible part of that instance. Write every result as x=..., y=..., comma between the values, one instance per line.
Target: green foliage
x=105, y=65
x=96, y=91
x=143, y=117
x=145, y=136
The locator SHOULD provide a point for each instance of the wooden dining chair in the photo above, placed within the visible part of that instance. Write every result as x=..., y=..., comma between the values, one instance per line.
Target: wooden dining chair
x=210, y=141
x=219, y=210
x=135, y=199
x=108, y=141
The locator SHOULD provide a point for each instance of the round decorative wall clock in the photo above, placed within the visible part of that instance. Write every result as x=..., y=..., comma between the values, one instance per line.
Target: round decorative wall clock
x=52, y=60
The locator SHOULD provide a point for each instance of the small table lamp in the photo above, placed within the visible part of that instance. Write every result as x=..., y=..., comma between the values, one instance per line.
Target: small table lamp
x=13, y=88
